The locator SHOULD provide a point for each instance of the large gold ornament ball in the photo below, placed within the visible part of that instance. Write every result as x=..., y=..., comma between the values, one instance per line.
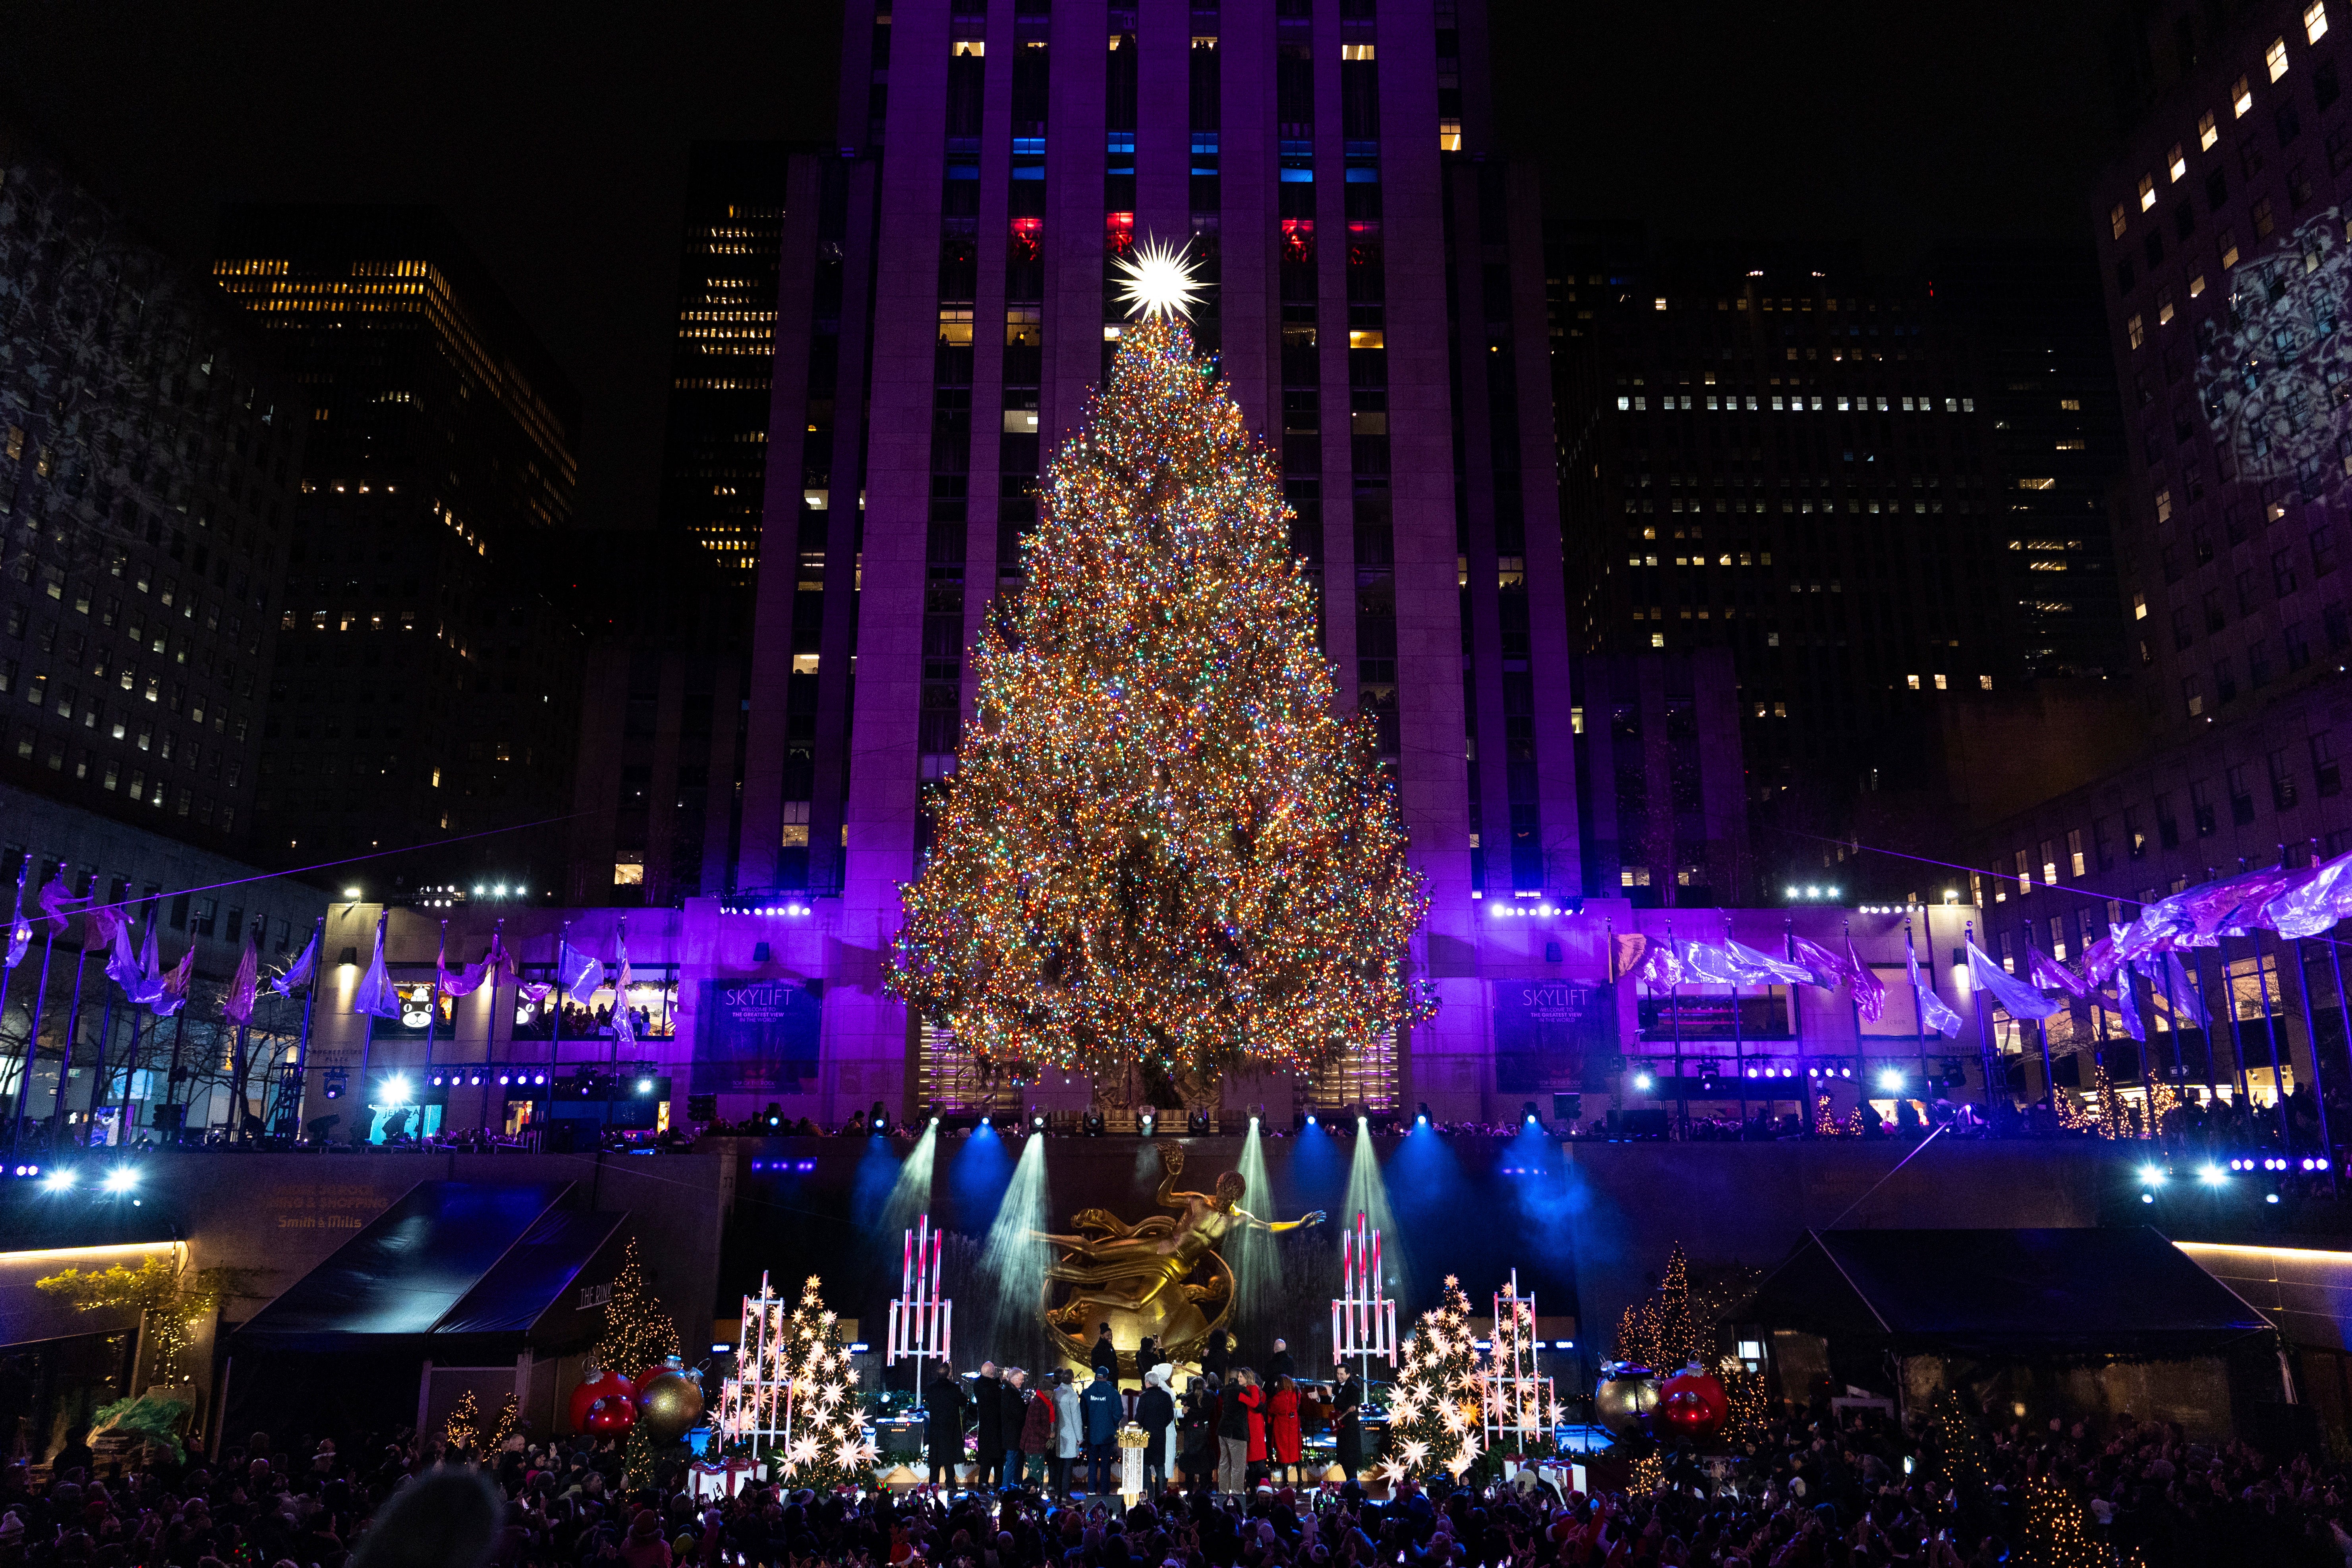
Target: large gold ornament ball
x=669, y=1403
x=1623, y=1398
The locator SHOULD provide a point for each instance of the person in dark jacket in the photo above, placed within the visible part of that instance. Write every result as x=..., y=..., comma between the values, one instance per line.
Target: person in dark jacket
x=1103, y=1411
x=1155, y=1412
x=1148, y=1354
x=1217, y=1357
x=1348, y=1405
x=1236, y=1418
x=1280, y=1365
x=943, y=1427
x=988, y=1431
x=1106, y=1356
x=1198, y=1427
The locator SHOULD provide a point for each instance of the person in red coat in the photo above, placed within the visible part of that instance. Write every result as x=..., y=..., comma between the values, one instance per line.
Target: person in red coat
x=1251, y=1397
x=1038, y=1421
x=1281, y=1425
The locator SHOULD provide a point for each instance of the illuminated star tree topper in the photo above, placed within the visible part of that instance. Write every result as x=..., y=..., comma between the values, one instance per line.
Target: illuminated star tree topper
x=1164, y=849
x=1157, y=281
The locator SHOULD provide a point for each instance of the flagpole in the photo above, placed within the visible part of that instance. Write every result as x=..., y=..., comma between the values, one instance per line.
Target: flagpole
x=33, y=1036
x=1739, y=1038
x=2172, y=1011
x=99, y=1070
x=1797, y=1027
x=1918, y=1022
x=494, y=961
x=172, y=1083
x=1984, y=1025
x=23, y=866
x=130, y=1073
x=367, y=1042
x=433, y=1009
x=555, y=1039
x=239, y=1116
x=73, y=1024
x=302, y=1047
x=1674, y=1005
x=2271, y=1033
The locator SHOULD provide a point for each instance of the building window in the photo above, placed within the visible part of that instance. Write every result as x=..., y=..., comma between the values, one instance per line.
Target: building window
x=2136, y=331
x=2327, y=775
x=1449, y=135
x=2241, y=97
x=2208, y=134
x=2192, y=695
x=2146, y=192
x=2120, y=220
x=2265, y=225
x=2275, y=59
x=2176, y=163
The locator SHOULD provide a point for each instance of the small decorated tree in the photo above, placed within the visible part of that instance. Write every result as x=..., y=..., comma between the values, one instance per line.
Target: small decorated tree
x=1434, y=1416
x=637, y=1334
x=1676, y=1328
x=1956, y=1447
x=2055, y=1536
x=825, y=1445
x=173, y=1298
x=460, y=1431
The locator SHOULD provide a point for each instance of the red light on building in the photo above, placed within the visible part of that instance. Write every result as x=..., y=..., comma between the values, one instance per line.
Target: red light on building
x=1028, y=236
x=1119, y=233
x=1297, y=239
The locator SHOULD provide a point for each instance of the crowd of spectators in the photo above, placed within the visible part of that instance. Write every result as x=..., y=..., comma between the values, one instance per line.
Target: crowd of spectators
x=1806, y=1492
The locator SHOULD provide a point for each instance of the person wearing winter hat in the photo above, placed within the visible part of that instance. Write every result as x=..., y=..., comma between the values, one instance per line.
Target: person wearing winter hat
x=644, y=1546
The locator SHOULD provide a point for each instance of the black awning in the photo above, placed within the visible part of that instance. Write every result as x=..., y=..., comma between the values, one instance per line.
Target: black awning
x=450, y=1258
x=2062, y=1295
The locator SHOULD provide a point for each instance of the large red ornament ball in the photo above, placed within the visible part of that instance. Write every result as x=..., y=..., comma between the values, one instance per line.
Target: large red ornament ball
x=1693, y=1404
x=605, y=1385
x=612, y=1415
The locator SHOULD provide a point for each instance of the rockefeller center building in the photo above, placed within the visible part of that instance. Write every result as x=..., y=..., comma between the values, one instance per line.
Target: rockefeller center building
x=1375, y=299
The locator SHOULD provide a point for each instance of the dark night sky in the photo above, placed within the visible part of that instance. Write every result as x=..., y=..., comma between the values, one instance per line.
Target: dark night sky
x=556, y=139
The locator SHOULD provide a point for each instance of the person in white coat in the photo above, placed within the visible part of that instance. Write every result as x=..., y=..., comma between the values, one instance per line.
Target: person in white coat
x=1070, y=1429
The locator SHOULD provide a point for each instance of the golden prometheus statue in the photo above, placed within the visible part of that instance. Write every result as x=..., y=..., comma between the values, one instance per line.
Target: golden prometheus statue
x=1147, y=1279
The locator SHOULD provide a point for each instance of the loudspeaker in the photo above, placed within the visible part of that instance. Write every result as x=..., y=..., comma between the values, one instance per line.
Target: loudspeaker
x=758, y=952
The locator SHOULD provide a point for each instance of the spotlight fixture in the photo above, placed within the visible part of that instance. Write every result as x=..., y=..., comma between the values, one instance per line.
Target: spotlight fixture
x=1420, y=1115
x=1199, y=1124
x=120, y=1179
x=1891, y=1079
x=1643, y=1083
x=1147, y=1119
x=1091, y=1124
x=1038, y=1119
x=1528, y=1114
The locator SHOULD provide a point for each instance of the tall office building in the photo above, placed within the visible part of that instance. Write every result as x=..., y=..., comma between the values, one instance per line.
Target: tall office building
x=715, y=457
x=1375, y=301
x=1885, y=495
x=1796, y=466
x=425, y=683
x=149, y=450
x=2221, y=226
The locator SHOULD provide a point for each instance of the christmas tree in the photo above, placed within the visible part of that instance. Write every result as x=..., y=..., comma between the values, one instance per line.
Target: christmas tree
x=826, y=1444
x=1678, y=1328
x=1957, y=1450
x=1163, y=847
x=2054, y=1533
x=1434, y=1416
x=637, y=1332
x=637, y=1336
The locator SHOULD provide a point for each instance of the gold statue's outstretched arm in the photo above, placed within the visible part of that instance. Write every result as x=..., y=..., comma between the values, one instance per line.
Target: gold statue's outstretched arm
x=1171, y=1166
x=1313, y=1216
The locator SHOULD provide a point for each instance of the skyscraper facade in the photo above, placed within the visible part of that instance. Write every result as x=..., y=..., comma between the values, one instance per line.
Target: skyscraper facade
x=1375, y=301
x=1798, y=468
x=714, y=457
x=425, y=682
x=1885, y=495
x=149, y=448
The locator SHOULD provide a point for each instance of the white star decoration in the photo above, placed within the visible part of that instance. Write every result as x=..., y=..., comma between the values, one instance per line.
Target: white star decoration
x=1157, y=281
